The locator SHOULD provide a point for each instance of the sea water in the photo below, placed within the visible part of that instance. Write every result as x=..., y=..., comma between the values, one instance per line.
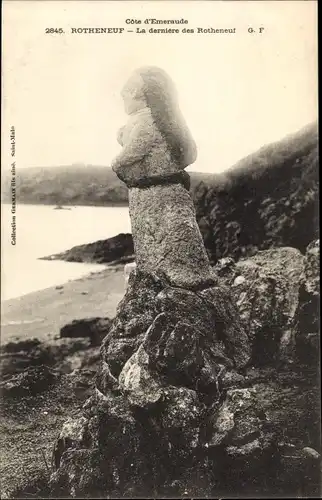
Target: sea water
x=42, y=230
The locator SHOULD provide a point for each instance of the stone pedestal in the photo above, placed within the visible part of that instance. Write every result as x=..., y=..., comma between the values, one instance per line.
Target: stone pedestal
x=166, y=236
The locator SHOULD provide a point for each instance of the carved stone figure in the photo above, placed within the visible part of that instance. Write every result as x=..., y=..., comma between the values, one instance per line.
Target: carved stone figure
x=157, y=147
x=176, y=336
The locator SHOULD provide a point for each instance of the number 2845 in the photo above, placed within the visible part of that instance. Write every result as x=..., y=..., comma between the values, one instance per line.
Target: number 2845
x=54, y=30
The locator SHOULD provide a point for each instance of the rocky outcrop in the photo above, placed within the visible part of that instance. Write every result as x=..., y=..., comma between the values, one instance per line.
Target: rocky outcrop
x=163, y=363
x=152, y=308
x=266, y=290
x=308, y=341
x=15, y=357
x=113, y=250
x=277, y=293
x=171, y=413
x=177, y=411
x=30, y=367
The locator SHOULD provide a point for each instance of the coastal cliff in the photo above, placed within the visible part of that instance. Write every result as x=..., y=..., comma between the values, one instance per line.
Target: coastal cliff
x=268, y=199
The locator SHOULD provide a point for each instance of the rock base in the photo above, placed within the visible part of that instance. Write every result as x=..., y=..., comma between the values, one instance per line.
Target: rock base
x=179, y=408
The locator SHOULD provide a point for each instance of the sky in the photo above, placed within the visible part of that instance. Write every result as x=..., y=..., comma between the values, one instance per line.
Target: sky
x=237, y=91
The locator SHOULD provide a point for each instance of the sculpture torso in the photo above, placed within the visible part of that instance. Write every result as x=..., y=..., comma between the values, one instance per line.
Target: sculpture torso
x=141, y=134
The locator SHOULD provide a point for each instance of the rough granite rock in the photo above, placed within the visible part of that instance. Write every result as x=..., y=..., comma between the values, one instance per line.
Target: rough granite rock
x=134, y=315
x=204, y=322
x=120, y=449
x=115, y=456
x=174, y=349
x=228, y=323
x=166, y=235
x=71, y=435
x=312, y=267
x=266, y=290
x=180, y=417
x=308, y=339
x=138, y=383
x=239, y=421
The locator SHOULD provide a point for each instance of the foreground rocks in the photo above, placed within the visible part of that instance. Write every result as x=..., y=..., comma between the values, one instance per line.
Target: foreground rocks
x=187, y=403
x=154, y=311
x=266, y=290
x=175, y=410
x=43, y=383
x=277, y=293
x=31, y=381
x=31, y=367
x=308, y=342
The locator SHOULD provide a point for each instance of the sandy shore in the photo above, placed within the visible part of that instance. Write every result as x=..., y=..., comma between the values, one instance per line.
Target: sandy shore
x=42, y=313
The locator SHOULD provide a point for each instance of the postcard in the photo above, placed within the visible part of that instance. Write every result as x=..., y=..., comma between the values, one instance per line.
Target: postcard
x=160, y=249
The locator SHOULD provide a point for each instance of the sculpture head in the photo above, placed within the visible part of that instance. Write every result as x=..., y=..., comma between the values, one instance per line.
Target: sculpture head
x=133, y=95
x=151, y=87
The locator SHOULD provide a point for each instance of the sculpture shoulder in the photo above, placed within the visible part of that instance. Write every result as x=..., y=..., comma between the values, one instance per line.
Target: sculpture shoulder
x=139, y=124
x=191, y=152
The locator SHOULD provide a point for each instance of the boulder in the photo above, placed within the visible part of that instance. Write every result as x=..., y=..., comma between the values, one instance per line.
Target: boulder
x=71, y=435
x=181, y=415
x=136, y=381
x=15, y=357
x=186, y=333
x=134, y=315
x=308, y=338
x=113, y=452
x=266, y=290
x=239, y=423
